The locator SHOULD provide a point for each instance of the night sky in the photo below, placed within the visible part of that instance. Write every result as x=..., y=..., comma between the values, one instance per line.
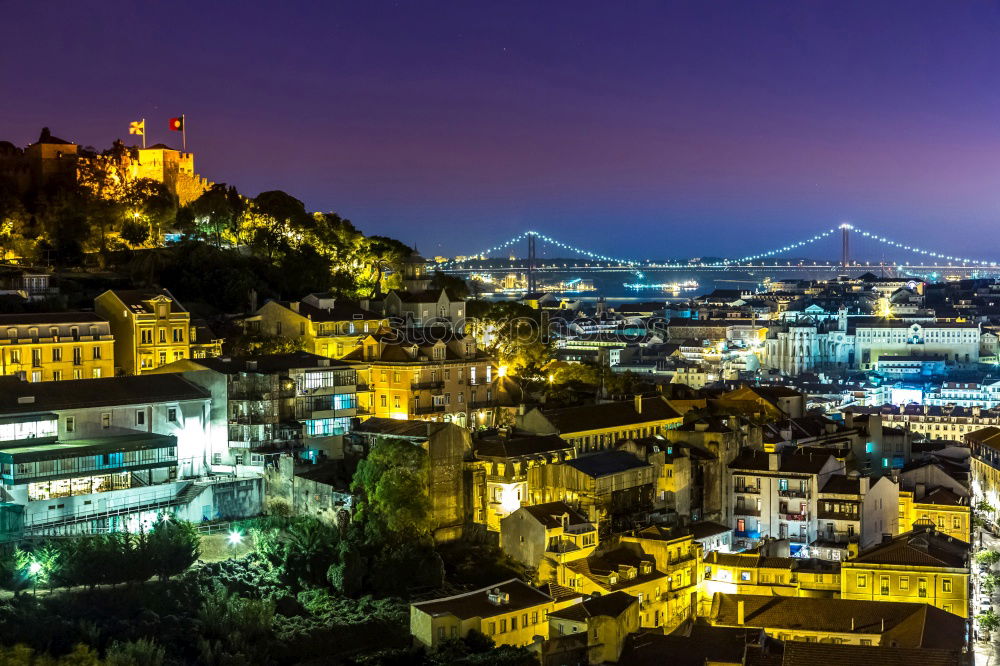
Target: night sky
x=634, y=128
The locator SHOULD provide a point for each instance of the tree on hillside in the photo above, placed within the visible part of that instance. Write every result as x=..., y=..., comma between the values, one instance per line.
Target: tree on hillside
x=391, y=486
x=217, y=214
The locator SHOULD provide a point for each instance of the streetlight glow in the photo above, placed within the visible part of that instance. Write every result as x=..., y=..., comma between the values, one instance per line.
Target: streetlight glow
x=234, y=538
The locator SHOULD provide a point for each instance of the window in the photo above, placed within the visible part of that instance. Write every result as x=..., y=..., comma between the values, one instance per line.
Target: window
x=384, y=400
x=922, y=588
x=503, y=626
x=869, y=447
x=492, y=628
x=96, y=373
x=904, y=582
x=956, y=523
x=56, y=375
x=70, y=424
x=885, y=462
x=140, y=417
x=745, y=576
x=163, y=335
x=862, y=581
x=146, y=336
x=106, y=420
x=447, y=398
x=163, y=358
x=513, y=623
x=172, y=414
x=866, y=641
x=216, y=458
x=77, y=355
x=884, y=586
x=36, y=358
x=534, y=617
x=96, y=353
x=178, y=335
x=946, y=585
x=56, y=354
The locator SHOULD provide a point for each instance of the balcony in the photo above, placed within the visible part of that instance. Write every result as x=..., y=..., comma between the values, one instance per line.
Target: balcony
x=363, y=388
x=426, y=386
x=837, y=515
x=794, y=492
x=481, y=404
x=432, y=409
x=748, y=490
x=795, y=516
x=746, y=511
x=747, y=534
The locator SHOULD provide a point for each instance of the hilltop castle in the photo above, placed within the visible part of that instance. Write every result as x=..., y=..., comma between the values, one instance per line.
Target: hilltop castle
x=52, y=158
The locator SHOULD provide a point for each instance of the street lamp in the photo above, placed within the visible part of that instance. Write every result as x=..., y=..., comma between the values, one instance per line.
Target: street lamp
x=234, y=538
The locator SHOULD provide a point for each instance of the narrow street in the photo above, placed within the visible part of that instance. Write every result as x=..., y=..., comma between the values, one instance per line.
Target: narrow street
x=987, y=653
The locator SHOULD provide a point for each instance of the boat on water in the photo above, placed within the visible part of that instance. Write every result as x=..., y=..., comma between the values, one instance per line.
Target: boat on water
x=687, y=285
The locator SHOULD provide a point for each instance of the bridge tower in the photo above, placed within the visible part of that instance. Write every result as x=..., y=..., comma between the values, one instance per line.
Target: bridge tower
x=845, y=244
x=531, y=263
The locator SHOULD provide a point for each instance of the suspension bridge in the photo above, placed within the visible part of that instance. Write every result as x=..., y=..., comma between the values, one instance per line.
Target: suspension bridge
x=845, y=248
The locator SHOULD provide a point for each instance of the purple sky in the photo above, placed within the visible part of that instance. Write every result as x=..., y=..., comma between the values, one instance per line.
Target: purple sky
x=638, y=128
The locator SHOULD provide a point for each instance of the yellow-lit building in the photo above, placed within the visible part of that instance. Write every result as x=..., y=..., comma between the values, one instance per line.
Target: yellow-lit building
x=510, y=613
x=676, y=554
x=753, y=573
x=326, y=326
x=52, y=346
x=923, y=565
x=599, y=427
x=984, y=466
x=950, y=513
x=545, y=537
x=416, y=377
x=625, y=570
x=603, y=622
x=150, y=327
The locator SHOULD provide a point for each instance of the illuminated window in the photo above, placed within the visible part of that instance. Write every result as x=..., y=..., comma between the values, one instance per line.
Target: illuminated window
x=862, y=581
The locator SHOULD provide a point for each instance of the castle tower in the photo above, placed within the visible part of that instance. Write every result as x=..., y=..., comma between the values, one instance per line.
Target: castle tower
x=415, y=278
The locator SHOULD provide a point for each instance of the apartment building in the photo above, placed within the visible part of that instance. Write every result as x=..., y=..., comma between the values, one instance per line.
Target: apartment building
x=325, y=325
x=111, y=454
x=150, y=328
x=274, y=403
x=428, y=374
x=600, y=427
x=775, y=495
x=922, y=565
x=985, y=468
x=52, y=346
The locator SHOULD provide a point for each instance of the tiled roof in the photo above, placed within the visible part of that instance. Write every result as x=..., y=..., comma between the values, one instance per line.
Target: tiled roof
x=924, y=546
x=605, y=463
x=478, y=603
x=135, y=299
x=706, y=528
x=841, y=484
x=788, y=463
x=943, y=496
x=341, y=311
x=549, y=514
x=610, y=415
x=598, y=567
x=935, y=627
x=519, y=445
x=41, y=318
x=704, y=644
x=800, y=653
x=398, y=428
x=80, y=393
x=609, y=605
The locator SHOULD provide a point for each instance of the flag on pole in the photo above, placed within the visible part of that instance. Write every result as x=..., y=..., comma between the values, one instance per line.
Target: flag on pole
x=177, y=124
x=137, y=127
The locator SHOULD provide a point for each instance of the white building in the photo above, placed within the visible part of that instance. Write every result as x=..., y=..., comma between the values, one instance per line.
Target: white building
x=111, y=454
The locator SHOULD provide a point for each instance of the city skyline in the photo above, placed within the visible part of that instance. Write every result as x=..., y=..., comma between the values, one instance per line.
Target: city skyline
x=658, y=121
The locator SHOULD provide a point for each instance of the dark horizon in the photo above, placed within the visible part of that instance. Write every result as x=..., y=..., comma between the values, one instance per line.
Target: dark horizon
x=646, y=131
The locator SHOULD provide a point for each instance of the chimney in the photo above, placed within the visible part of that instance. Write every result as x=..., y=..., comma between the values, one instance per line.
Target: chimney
x=638, y=403
x=25, y=399
x=294, y=305
x=741, y=612
x=773, y=462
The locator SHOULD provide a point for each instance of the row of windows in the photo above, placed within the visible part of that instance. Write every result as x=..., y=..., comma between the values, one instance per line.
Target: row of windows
x=56, y=355
x=74, y=332
x=146, y=336
x=146, y=362
x=90, y=463
x=903, y=584
x=59, y=375
x=502, y=625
